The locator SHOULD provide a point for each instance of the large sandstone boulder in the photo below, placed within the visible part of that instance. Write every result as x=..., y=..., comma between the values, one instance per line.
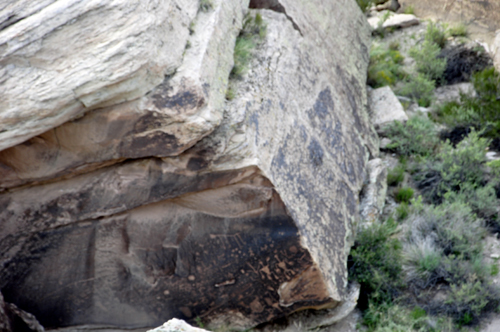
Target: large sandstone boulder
x=165, y=200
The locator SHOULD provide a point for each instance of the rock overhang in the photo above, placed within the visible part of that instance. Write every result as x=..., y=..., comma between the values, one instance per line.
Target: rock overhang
x=282, y=168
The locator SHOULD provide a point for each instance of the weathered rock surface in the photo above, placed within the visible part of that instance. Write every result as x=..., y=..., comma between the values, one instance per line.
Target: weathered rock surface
x=393, y=21
x=496, y=51
x=176, y=325
x=374, y=192
x=13, y=319
x=385, y=108
x=177, y=203
x=184, y=106
x=452, y=92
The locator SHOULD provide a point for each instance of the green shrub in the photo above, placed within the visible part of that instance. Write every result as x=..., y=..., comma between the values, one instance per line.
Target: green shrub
x=453, y=114
x=403, y=195
x=396, y=318
x=481, y=199
x=417, y=136
x=468, y=300
x=422, y=264
x=427, y=61
x=375, y=262
x=452, y=228
x=253, y=32
x=435, y=34
x=454, y=170
x=396, y=175
x=402, y=211
x=385, y=67
x=419, y=88
x=457, y=30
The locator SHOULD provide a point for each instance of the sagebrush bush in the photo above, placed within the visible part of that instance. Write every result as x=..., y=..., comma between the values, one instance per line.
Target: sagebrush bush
x=435, y=34
x=385, y=67
x=419, y=88
x=453, y=229
x=375, y=263
x=417, y=136
x=423, y=263
x=453, y=168
x=396, y=318
x=468, y=300
x=427, y=61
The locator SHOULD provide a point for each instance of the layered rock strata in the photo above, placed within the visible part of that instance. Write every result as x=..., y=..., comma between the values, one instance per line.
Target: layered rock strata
x=165, y=200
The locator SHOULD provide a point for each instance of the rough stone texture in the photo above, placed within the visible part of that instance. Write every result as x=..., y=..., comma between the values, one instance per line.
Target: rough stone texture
x=385, y=108
x=68, y=57
x=452, y=92
x=393, y=21
x=244, y=216
x=374, y=192
x=176, y=325
x=495, y=48
x=168, y=120
x=13, y=319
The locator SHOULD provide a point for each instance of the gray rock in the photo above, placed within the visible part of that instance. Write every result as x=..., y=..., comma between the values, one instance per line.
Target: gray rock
x=393, y=21
x=452, y=92
x=385, y=108
x=52, y=72
x=178, y=111
x=495, y=50
x=250, y=220
x=372, y=197
x=176, y=325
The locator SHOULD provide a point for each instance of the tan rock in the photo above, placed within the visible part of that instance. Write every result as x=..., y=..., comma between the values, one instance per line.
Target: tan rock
x=170, y=119
x=69, y=57
x=250, y=223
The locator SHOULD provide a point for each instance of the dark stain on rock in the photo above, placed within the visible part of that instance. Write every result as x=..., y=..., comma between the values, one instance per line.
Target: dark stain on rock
x=185, y=99
x=226, y=265
x=324, y=104
x=316, y=153
x=197, y=163
x=157, y=143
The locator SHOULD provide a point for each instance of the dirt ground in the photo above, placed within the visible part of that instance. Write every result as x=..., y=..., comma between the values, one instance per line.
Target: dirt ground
x=482, y=17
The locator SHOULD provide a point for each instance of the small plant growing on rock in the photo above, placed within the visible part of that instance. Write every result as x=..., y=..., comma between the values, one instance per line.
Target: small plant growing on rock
x=253, y=32
x=457, y=30
x=205, y=5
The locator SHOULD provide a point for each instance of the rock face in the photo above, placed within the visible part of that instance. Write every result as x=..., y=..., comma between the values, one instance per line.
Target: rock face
x=165, y=200
x=496, y=50
x=393, y=21
x=385, y=108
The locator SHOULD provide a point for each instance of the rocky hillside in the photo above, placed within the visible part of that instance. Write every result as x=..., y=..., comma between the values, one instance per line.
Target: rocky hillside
x=198, y=159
